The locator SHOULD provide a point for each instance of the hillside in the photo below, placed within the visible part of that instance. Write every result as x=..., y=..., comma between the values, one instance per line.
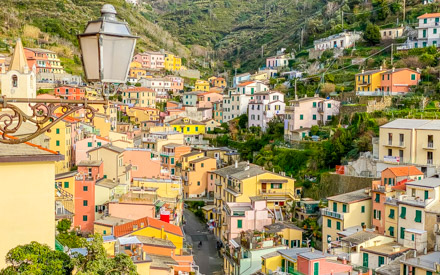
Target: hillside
x=53, y=24
x=237, y=32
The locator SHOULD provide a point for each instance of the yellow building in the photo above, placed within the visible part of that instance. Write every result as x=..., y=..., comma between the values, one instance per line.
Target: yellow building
x=139, y=115
x=422, y=265
x=284, y=260
x=156, y=140
x=202, y=85
x=188, y=126
x=368, y=81
x=139, y=96
x=27, y=199
x=136, y=70
x=165, y=188
x=172, y=62
x=240, y=182
x=64, y=195
x=391, y=217
x=292, y=235
x=61, y=141
x=344, y=211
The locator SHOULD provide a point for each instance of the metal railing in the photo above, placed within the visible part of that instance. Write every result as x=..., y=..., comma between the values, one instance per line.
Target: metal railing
x=328, y=213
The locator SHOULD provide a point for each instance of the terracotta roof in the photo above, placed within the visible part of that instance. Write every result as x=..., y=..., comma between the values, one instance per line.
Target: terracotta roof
x=138, y=89
x=245, y=83
x=429, y=15
x=101, y=138
x=68, y=118
x=9, y=150
x=405, y=171
x=127, y=228
x=399, y=70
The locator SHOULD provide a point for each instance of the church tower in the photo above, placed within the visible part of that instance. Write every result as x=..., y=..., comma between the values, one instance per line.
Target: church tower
x=19, y=81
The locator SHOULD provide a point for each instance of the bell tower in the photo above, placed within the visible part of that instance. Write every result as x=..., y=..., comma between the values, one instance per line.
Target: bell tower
x=19, y=81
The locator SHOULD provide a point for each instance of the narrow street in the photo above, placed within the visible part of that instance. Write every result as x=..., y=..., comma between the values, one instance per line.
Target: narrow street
x=207, y=257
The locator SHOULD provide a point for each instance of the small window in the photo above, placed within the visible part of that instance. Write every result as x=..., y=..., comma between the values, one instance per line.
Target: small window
x=14, y=81
x=363, y=209
x=66, y=184
x=413, y=76
x=85, y=203
x=99, y=144
x=198, y=183
x=58, y=131
x=418, y=217
x=84, y=218
x=89, y=144
x=301, y=117
x=239, y=224
x=329, y=223
x=58, y=143
x=338, y=225
x=85, y=188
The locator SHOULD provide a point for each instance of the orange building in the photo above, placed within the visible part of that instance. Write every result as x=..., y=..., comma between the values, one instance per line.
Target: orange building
x=170, y=154
x=399, y=80
x=89, y=171
x=220, y=82
x=385, y=188
x=45, y=61
x=70, y=92
x=196, y=177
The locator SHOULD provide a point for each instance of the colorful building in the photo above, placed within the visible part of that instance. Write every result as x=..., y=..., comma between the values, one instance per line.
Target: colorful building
x=368, y=81
x=188, y=126
x=172, y=62
x=65, y=195
x=202, y=85
x=399, y=81
x=89, y=172
x=136, y=70
x=143, y=163
x=195, y=178
x=87, y=144
x=45, y=61
x=27, y=198
x=70, y=92
x=151, y=60
x=140, y=97
x=170, y=155
x=140, y=115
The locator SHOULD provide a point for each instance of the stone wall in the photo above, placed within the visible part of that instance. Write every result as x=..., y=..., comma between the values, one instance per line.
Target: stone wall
x=332, y=184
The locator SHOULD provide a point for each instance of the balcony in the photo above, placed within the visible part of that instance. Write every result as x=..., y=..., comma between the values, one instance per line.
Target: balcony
x=218, y=183
x=167, y=154
x=277, y=192
x=429, y=161
x=415, y=201
x=326, y=212
x=400, y=145
x=429, y=146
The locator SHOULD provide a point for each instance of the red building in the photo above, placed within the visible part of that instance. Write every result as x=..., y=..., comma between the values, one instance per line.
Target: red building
x=89, y=171
x=70, y=92
x=45, y=61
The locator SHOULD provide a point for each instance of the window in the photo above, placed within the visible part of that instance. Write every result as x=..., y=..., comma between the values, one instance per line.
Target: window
x=187, y=129
x=301, y=117
x=89, y=144
x=85, y=188
x=104, y=232
x=85, y=203
x=202, y=165
x=434, y=31
x=335, y=207
x=363, y=209
x=418, y=216
x=377, y=198
x=402, y=233
x=84, y=218
x=276, y=185
x=58, y=143
x=329, y=223
x=391, y=215
x=329, y=117
x=344, y=208
x=172, y=160
x=314, y=117
x=66, y=184
x=197, y=129
x=426, y=194
x=329, y=105
x=58, y=131
x=425, y=21
x=239, y=224
x=314, y=104
x=99, y=144
x=391, y=230
x=14, y=81
x=413, y=76
x=381, y=261
x=403, y=212
x=338, y=225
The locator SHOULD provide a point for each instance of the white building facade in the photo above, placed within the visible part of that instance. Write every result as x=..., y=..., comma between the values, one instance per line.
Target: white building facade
x=265, y=107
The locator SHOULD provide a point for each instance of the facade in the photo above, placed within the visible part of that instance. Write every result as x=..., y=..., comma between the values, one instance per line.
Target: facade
x=391, y=33
x=421, y=265
x=139, y=115
x=386, y=82
x=172, y=62
x=136, y=71
x=84, y=145
x=190, y=98
x=28, y=176
x=65, y=196
x=151, y=60
x=205, y=100
x=160, y=85
x=342, y=40
x=202, y=85
x=140, y=97
x=278, y=61
x=143, y=164
x=45, y=61
x=188, y=126
x=303, y=113
x=239, y=78
x=170, y=155
x=217, y=111
x=195, y=177
x=368, y=81
x=345, y=211
x=70, y=92
x=427, y=32
x=410, y=141
x=265, y=107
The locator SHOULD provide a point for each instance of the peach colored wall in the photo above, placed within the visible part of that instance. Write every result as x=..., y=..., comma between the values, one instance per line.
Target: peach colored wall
x=305, y=266
x=82, y=147
x=157, y=250
x=380, y=206
x=199, y=174
x=400, y=77
x=131, y=211
x=141, y=158
x=213, y=97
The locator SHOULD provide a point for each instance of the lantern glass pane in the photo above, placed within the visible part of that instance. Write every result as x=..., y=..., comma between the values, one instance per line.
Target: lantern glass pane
x=116, y=55
x=90, y=54
x=115, y=28
x=93, y=27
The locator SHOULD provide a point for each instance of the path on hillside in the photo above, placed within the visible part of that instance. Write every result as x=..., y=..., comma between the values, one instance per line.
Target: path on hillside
x=206, y=257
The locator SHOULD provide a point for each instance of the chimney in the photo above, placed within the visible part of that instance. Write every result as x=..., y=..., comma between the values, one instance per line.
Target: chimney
x=236, y=163
x=394, y=69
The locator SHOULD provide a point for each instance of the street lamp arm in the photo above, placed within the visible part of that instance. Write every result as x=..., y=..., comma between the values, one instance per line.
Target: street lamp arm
x=44, y=116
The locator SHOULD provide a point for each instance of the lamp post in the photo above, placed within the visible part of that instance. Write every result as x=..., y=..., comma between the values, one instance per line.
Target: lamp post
x=107, y=47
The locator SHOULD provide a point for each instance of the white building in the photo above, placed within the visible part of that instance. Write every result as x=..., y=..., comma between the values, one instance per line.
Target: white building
x=428, y=32
x=160, y=85
x=236, y=103
x=342, y=40
x=305, y=112
x=264, y=107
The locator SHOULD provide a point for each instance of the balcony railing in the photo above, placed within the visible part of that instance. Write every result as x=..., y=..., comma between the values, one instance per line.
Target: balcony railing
x=429, y=161
x=430, y=145
x=415, y=200
x=328, y=213
x=277, y=192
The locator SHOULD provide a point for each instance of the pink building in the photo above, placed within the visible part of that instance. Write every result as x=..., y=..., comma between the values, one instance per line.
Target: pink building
x=243, y=216
x=206, y=99
x=142, y=163
x=176, y=83
x=132, y=210
x=318, y=263
x=84, y=145
x=151, y=60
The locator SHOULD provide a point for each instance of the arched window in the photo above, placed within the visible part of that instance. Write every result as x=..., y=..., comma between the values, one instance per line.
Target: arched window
x=14, y=81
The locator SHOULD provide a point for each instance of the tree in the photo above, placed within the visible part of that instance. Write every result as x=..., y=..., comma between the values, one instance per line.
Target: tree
x=372, y=34
x=137, y=84
x=35, y=258
x=97, y=262
x=66, y=236
x=242, y=121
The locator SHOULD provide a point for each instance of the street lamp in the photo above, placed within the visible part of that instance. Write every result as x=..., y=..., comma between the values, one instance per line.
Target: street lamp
x=107, y=47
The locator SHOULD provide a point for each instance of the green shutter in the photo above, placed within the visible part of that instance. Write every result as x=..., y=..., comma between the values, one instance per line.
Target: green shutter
x=403, y=212
x=58, y=131
x=335, y=207
x=239, y=224
x=329, y=223
x=402, y=233
x=379, y=212
x=344, y=208
x=365, y=259
x=363, y=209
x=338, y=225
x=66, y=184
x=374, y=214
x=426, y=194
x=84, y=218
x=271, y=186
x=377, y=198
x=381, y=261
x=84, y=203
x=391, y=229
x=391, y=216
x=89, y=144
x=418, y=216
x=85, y=188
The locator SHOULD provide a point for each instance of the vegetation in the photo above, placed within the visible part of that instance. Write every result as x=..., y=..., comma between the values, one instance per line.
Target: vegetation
x=66, y=236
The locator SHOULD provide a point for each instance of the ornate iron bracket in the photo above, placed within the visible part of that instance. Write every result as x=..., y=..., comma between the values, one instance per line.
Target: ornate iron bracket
x=44, y=115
